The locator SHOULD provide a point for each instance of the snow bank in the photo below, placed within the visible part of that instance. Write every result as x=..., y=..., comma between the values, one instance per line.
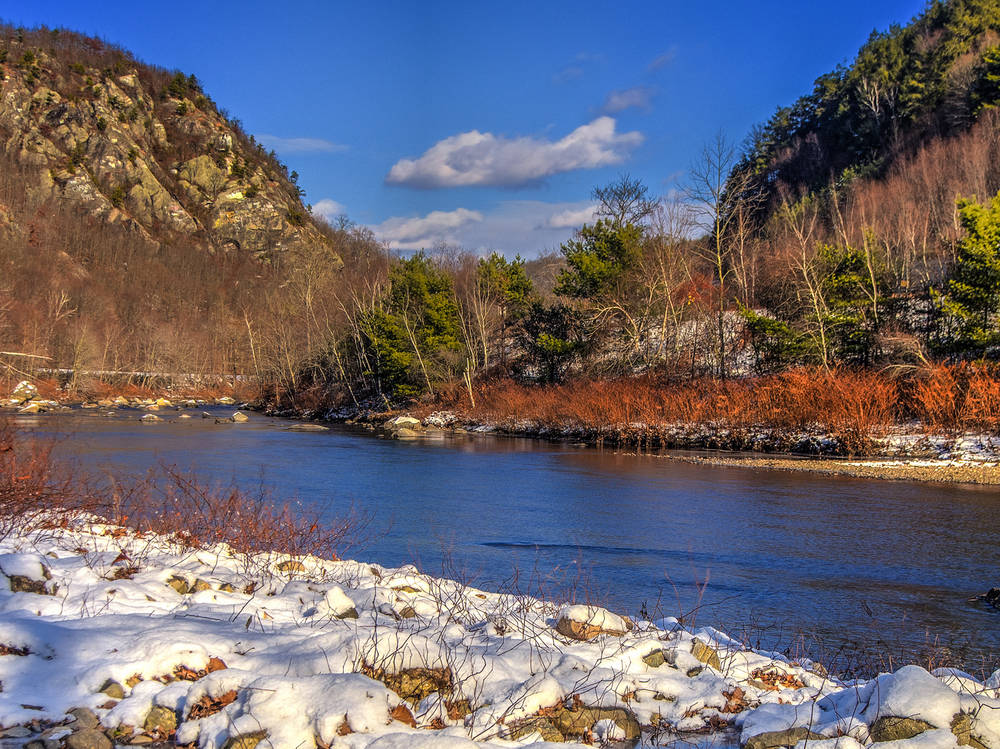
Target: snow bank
x=200, y=647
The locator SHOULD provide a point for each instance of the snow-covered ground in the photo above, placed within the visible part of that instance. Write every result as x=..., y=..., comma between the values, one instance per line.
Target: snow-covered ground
x=209, y=648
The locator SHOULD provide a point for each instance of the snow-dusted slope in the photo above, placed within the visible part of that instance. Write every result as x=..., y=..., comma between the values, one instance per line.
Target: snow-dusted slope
x=216, y=649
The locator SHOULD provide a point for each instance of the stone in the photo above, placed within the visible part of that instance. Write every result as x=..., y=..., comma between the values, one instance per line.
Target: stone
x=706, y=654
x=654, y=659
x=113, y=689
x=291, y=565
x=961, y=726
x=150, y=418
x=162, y=720
x=239, y=417
x=83, y=718
x=16, y=732
x=577, y=722
x=225, y=401
x=405, y=433
x=88, y=738
x=307, y=428
x=32, y=408
x=538, y=725
x=23, y=391
x=351, y=613
x=788, y=737
x=587, y=622
x=891, y=728
x=245, y=741
x=200, y=585
x=179, y=584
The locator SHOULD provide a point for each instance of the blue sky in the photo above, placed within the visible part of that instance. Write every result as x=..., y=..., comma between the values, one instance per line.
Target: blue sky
x=484, y=124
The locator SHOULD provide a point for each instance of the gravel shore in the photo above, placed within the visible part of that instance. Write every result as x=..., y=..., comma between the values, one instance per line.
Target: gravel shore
x=899, y=470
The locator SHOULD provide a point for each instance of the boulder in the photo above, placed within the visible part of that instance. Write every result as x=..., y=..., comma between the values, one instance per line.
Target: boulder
x=26, y=573
x=245, y=741
x=706, y=654
x=150, y=418
x=113, y=689
x=24, y=391
x=83, y=718
x=239, y=417
x=587, y=622
x=891, y=728
x=161, y=720
x=961, y=726
x=88, y=738
x=307, y=428
x=32, y=408
x=788, y=737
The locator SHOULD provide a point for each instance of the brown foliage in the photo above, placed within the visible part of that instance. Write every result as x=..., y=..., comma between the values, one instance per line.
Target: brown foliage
x=856, y=406
x=209, y=705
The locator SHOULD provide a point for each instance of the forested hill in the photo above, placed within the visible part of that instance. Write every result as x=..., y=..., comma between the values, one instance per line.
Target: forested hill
x=931, y=78
x=140, y=226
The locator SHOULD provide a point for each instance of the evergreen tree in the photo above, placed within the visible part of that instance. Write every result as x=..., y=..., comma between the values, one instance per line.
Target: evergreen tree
x=971, y=298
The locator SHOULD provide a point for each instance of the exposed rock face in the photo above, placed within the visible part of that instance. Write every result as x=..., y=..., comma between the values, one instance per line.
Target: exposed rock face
x=135, y=146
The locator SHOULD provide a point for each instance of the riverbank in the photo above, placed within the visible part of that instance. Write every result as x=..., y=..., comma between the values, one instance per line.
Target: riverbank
x=108, y=633
x=902, y=452
x=942, y=471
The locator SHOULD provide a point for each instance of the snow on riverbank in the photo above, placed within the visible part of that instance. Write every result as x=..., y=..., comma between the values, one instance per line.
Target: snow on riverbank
x=215, y=649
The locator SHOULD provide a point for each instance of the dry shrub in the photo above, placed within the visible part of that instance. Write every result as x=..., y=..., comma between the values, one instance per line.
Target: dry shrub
x=952, y=398
x=170, y=502
x=33, y=485
x=981, y=409
x=937, y=398
x=37, y=490
x=856, y=406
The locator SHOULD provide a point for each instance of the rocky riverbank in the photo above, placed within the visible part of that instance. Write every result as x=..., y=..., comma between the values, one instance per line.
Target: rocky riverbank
x=109, y=635
x=905, y=454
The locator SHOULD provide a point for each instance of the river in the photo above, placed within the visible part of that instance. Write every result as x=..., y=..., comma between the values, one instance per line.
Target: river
x=853, y=572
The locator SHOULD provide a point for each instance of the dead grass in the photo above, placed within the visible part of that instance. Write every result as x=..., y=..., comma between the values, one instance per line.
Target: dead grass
x=855, y=406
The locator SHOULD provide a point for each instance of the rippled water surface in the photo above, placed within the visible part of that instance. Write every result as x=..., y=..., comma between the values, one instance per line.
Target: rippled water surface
x=785, y=560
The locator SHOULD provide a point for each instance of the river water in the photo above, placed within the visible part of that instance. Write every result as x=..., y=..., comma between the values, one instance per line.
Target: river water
x=853, y=572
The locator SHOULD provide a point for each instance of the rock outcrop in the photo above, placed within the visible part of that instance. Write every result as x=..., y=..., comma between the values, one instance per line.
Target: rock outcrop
x=137, y=146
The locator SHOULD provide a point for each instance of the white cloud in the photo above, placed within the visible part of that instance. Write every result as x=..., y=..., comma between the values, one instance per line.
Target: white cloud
x=329, y=209
x=567, y=74
x=485, y=159
x=571, y=218
x=619, y=101
x=662, y=60
x=300, y=145
x=524, y=227
x=435, y=227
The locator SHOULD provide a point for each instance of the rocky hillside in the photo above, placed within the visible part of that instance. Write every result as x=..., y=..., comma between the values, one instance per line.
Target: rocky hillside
x=141, y=229
x=140, y=147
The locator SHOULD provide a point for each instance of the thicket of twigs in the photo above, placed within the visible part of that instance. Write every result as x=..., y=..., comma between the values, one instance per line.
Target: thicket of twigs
x=856, y=405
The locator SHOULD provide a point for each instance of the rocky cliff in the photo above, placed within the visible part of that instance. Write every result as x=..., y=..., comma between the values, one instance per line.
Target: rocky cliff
x=140, y=147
